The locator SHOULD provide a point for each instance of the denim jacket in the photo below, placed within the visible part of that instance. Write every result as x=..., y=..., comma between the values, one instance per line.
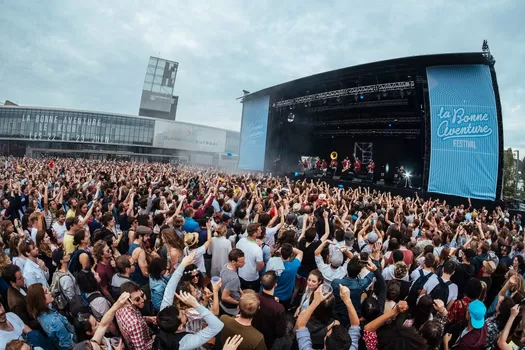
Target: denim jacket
x=58, y=329
x=357, y=286
x=157, y=290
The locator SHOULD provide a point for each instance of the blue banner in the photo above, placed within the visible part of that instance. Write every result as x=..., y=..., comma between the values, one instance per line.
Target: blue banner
x=464, y=131
x=253, y=134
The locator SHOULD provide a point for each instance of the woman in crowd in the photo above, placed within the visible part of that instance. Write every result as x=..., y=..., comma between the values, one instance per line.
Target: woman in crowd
x=45, y=250
x=55, y=325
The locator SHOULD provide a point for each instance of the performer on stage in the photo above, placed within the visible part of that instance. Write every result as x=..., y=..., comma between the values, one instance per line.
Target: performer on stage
x=305, y=164
x=371, y=166
x=404, y=176
x=357, y=166
x=346, y=164
x=318, y=164
x=333, y=165
x=324, y=167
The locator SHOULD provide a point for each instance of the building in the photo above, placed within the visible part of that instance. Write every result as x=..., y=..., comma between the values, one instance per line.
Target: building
x=39, y=131
x=157, y=100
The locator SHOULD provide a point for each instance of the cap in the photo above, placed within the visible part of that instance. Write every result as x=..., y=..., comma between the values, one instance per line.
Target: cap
x=57, y=255
x=143, y=230
x=296, y=207
x=477, y=310
x=336, y=259
x=349, y=238
x=489, y=266
x=372, y=237
x=190, y=239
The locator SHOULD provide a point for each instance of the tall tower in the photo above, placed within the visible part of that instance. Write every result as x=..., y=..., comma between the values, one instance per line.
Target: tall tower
x=157, y=99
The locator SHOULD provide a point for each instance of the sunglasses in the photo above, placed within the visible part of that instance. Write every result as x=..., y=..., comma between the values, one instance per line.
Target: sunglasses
x=139, y=298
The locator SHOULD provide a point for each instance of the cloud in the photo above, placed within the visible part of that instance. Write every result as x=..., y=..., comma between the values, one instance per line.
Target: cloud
x=93, y=54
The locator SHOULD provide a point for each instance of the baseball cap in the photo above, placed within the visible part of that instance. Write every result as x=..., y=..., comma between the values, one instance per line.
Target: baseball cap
x=477, y=312
x=349, y=238
x=336, y=259
x=372, y=237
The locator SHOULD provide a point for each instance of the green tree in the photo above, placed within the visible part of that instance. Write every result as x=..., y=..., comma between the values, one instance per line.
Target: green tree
x=509, y=174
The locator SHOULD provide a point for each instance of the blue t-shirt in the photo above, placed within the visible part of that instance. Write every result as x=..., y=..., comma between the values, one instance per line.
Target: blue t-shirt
x=286, y=282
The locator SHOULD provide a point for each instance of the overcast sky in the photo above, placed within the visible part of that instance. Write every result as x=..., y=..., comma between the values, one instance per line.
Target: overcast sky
x=93, y=54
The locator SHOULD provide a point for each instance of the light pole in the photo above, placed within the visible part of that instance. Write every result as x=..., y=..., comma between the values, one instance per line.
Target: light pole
x=517, y=170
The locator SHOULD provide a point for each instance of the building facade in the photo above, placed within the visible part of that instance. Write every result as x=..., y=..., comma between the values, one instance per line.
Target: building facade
x=38, y=131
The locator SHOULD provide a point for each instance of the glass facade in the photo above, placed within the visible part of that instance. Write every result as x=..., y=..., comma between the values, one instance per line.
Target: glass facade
x=41, y=124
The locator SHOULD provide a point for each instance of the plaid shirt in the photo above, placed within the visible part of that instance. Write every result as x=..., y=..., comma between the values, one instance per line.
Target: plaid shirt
x=134, y=329
x=458, y=311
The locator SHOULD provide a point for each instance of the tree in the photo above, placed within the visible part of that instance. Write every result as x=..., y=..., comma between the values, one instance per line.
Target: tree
x=509, y=174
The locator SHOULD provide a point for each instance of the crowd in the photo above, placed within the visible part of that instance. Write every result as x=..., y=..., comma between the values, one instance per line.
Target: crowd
x=119, y=255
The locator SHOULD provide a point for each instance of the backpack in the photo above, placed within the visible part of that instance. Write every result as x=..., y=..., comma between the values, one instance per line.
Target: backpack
x=61, y=301
x=74, y=264
x=441, y=290
x=413, y=294
x=79, y=305
x=123, y=246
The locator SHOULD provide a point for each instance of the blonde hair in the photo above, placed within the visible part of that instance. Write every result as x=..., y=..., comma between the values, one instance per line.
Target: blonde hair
x=249, y=304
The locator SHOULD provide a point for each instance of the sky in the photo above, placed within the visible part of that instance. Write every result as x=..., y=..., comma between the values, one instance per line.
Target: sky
x=93, y=54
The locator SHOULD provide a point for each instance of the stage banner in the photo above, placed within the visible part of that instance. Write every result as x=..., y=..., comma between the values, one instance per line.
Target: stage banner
x=253, y=134
x=464, y=131
x=190, y=137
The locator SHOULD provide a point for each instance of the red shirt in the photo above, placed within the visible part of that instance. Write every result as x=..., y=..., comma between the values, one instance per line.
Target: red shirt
x=105, y=273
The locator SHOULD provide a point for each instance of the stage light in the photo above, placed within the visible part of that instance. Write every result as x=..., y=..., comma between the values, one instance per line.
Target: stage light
x=362, y=97
x=291, y=107
x=340, y=186
x=387, y=168
x=389, y=125
x=296, y=174
x=291, y=117
x=408, y=174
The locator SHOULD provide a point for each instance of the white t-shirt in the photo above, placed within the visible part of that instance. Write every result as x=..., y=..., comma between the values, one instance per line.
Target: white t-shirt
x=60, y=230
x=17, y=333
x=269, y=238
x=433, y=282
x=34, y=231
x=252, y=255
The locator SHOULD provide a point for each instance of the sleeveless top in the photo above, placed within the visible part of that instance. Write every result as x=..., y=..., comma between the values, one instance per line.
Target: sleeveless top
x=137, y=275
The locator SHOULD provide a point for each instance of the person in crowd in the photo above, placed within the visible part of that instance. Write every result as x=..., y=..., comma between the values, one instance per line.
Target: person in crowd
x=270, y=318
x=124, y=270
x=72, y=226
x=138, y=253
x=336, y=269
x=35, y=270
x=45, y=250
x=81, y=257
x=219, y=250
x=158, y=280
x=291, y=258
x=105, y=267
x=356, y=285
x=132, y=324
x=16, y=295
x=191, y=240
x=475, y=334
x=337, y=337
x=444, y=289
x=55, y=325
x=253, y=258
x=88, y=284
x=315, y=279
x=231, y=283
x=242, y=325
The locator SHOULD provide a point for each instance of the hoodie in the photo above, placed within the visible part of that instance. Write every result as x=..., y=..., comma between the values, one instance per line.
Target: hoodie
x=473, y=340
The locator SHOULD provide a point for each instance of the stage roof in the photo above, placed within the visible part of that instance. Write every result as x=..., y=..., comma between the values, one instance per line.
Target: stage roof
x=393, y=67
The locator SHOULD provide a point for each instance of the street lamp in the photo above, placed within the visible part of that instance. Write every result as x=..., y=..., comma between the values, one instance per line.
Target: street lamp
x=517, y=169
